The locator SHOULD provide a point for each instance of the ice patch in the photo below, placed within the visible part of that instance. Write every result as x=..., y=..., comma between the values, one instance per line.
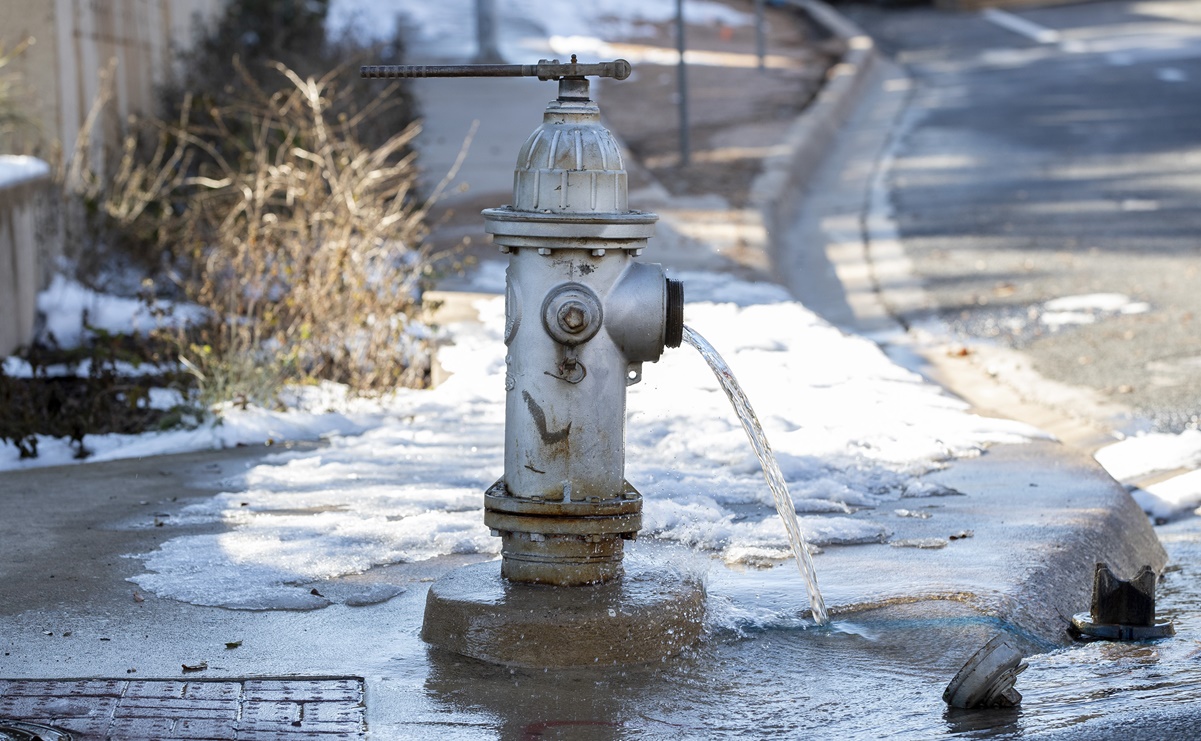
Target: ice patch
x=1085, y=309
x=1089, y=302
x=1064, y=318
x=922, y=543
x=851, y=430
x=263, y=563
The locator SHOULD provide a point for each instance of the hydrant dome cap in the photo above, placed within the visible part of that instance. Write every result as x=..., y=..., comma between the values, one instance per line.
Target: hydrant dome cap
x=571, y=164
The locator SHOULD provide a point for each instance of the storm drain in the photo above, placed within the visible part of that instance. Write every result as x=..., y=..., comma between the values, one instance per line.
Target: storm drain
x=19, y=730
x=268, y=709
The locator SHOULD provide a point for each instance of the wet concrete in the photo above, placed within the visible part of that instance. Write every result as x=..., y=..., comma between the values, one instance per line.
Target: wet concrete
x=1039, y=521
x=1029, y=526
x=649, y=614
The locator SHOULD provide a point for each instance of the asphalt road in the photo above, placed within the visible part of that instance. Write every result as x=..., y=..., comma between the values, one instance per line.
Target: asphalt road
x=1051, y=153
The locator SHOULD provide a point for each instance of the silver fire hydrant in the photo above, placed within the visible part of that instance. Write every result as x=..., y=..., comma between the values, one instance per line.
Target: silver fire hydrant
x=581, y=317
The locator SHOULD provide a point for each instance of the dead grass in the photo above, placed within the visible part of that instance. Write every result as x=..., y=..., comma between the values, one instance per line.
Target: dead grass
x=304, y=246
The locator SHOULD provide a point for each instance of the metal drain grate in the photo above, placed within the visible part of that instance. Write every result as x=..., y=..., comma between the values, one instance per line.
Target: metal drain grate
x=195, y=709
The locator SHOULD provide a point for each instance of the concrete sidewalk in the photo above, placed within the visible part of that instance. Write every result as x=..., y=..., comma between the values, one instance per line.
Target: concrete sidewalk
x=1033, y=518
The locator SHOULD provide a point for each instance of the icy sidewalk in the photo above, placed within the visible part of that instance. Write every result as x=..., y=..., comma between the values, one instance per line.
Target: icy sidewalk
x=398, y=479
x=939, y=527
x=852, y=431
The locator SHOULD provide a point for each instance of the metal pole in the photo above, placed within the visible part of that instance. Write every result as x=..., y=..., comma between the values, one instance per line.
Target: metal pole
x=682, y=84
x=618, y=69
x=760, y=41
x=487, y=49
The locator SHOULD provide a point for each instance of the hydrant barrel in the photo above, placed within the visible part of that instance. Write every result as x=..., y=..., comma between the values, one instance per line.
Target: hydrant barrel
x=581, y=317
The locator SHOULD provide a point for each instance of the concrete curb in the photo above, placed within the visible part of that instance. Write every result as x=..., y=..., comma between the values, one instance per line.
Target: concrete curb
x=786, y=176
x=1079, y=516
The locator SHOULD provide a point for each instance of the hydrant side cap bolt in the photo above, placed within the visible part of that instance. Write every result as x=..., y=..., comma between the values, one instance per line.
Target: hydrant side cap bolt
x=572, y=314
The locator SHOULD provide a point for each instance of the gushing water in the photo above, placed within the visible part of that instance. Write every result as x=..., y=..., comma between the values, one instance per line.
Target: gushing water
x=771, y=469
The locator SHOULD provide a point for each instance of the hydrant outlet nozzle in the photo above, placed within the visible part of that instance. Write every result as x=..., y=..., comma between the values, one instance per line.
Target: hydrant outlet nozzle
x=674, y=335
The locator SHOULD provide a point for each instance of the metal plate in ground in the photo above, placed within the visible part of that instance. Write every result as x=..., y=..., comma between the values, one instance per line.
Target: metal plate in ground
x=132, y=710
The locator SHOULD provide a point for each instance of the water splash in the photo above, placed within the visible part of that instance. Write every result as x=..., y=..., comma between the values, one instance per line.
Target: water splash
x=771, y=469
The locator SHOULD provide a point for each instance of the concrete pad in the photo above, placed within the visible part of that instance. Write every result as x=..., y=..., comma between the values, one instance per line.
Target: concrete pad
x=647, y=615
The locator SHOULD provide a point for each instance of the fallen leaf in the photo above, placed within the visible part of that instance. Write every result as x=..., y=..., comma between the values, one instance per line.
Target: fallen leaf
x=138, y=598
x=315, y=593
x=197, y=667
x=232, y=644
x=962, y=534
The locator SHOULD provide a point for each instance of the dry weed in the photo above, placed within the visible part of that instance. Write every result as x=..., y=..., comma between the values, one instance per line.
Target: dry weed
x=304, y=245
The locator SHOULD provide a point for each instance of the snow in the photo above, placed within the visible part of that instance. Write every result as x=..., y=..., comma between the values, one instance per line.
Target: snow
x=1087, y=308
x=1110, y=302
x=401, y=479
x=15, y=367
x=1061, y=318
x=1150, y=453
x=314, y=412
x=18, y=169
x=1172, y=498
x=70, y=309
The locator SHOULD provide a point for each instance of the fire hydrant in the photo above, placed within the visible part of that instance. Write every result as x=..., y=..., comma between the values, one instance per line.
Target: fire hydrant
x=581, y=318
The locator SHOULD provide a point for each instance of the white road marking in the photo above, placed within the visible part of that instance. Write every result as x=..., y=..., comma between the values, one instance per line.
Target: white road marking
x=1018, y=25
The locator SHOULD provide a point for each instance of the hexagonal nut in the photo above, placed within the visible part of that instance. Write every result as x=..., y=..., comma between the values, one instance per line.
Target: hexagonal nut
x=573, y=316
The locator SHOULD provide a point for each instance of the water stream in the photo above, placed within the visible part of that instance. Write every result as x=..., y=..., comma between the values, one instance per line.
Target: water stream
x=771, y=469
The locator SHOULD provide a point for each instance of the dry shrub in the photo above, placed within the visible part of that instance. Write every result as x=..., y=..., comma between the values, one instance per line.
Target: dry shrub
x=305, y=245
x=13, y=95
x=279, y=197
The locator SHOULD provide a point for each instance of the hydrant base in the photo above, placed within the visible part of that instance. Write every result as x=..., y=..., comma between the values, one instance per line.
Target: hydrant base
x=647, y=615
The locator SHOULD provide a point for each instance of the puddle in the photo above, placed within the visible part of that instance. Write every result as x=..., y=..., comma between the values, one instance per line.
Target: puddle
x=763, y=670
